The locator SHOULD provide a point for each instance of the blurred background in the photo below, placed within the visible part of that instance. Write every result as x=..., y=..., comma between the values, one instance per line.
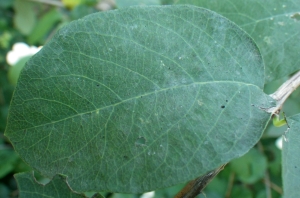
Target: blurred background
x=27, y=25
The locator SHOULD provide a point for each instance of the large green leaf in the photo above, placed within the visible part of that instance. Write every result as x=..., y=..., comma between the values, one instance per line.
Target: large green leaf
x=274, y=26
x=57, y=187
x=291, y=159
x=139, y=98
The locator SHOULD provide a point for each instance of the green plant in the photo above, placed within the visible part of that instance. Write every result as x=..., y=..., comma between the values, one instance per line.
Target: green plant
x=143, y=98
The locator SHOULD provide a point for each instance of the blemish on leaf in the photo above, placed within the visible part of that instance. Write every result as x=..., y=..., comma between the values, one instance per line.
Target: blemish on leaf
x=267, y=40
x=200, y=103
x=140, y=141
x=223, y=106
x=296, y=16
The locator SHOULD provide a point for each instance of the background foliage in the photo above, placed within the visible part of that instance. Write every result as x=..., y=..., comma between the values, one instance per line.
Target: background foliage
x=257, y=174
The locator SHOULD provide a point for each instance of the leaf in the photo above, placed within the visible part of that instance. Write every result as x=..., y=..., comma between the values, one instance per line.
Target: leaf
x=291, y=158
x=140, y=98
x=272, y=24
x=57, y=187
x=8, y=160
x=241, y=191
x=250, y=167
x=4, y=191
x=44, y=25
x=24, y=18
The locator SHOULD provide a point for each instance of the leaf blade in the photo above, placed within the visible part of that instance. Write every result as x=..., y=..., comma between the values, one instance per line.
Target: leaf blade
x=272, y=25
x=57, y=187
x=139, y=100
x=290, y=161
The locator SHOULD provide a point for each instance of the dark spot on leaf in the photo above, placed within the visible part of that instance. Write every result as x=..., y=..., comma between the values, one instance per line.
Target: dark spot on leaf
x=296, y=16
x=98, y=85
x=140, y=141
x=223, y=106
x=226, y=100
x=295, y=166
x=126, y=157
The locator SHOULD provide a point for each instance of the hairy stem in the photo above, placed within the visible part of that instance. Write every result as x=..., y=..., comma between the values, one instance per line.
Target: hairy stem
x=284, y=91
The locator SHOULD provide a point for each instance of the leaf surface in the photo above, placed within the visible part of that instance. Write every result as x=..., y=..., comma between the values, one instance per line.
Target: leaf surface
x=274, y=26
x=139, y=98
x=291, y=158
x=57, y=187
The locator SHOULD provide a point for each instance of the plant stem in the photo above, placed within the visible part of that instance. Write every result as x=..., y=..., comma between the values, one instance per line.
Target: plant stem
x=196, y=186
x=230, y=185
x=267, y=176
x=50, y=2
x=283, y=92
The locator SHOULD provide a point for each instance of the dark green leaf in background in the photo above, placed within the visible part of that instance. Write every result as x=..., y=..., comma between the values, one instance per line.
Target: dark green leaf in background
x=250, y=167
x=8, y=159
x=241, y=191
x=43, y=26
x=291, y=159
x=24, y=18
x=57, y=187
x=140, y=98
x=273, y=25
x=6, y=3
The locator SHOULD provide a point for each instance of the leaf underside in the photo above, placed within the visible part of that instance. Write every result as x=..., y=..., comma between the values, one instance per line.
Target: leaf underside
x=139, y=98
x=291, y=158
x=57, y=187
x=273, y=25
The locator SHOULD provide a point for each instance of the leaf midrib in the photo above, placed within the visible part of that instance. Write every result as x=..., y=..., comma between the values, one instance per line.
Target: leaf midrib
x=138, y=96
